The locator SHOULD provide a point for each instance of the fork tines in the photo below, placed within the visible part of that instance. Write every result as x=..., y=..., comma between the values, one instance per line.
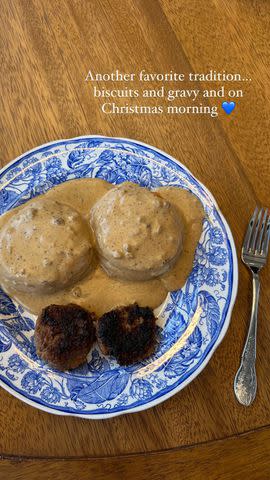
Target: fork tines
x=257, y=238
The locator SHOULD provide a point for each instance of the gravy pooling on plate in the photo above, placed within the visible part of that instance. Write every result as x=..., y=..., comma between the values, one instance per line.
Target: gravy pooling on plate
x=77, y=276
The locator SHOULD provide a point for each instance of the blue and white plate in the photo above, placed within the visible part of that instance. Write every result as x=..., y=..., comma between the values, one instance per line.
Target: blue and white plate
x=192, y=322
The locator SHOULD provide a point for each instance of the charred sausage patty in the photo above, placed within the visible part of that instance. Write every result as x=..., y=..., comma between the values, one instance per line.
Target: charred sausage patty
x=127, y=333
x=64, y=335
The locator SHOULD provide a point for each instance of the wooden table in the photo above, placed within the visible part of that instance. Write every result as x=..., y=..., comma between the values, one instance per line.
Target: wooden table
x=47, y=49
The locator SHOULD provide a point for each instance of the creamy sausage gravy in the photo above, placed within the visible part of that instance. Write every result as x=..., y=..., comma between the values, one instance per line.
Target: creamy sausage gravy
x=138, y=233
x=145, y=243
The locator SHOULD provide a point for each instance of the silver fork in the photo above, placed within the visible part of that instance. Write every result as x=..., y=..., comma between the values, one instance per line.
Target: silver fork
x=254, y=255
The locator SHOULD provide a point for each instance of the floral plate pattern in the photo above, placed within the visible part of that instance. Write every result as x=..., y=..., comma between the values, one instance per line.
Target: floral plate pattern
x=192, y=321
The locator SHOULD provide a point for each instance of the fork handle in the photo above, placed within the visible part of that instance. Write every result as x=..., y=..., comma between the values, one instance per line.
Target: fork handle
x=245, y=382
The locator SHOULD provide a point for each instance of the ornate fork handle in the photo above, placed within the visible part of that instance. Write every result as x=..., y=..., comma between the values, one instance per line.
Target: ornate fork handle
x=245, y=382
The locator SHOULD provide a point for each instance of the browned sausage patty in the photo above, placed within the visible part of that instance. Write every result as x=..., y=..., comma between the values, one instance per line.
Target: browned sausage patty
x=64, y=335
x=127, y=333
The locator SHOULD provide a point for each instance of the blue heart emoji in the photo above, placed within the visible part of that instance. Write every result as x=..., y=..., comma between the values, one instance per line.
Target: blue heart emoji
x=228, y=107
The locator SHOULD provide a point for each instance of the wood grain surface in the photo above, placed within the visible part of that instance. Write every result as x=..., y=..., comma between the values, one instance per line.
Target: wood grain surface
x=46, y=50
x=234, y=458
